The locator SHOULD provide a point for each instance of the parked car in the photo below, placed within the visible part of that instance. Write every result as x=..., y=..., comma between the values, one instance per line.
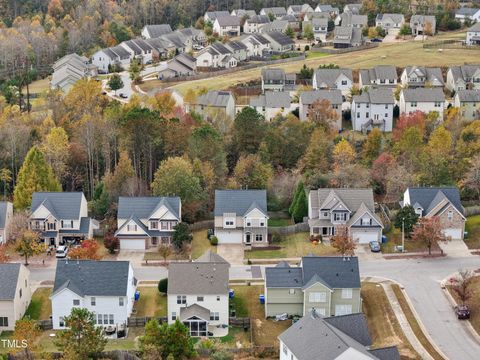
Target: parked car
x=61, y=252
x=123, y=96
x=376, y=40
x=197, y=47
x=374, y=246
x=462, y=312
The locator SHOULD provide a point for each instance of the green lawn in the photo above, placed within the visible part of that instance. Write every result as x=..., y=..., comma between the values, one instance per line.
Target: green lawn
x=40, y=307
x=295, y=245
x=200, y=244
x=315, y=54
x=151, y=302
x=276, y=222
x=394, y=237
x=473, y=228
x=239, y=303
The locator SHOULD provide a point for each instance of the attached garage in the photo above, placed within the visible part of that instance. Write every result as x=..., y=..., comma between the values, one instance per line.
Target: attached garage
x=365, y=236
x=132, y=244
x=229, y=237
x=454, y=234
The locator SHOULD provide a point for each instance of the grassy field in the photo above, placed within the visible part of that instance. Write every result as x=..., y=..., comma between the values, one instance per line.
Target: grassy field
x=151, y=302
x=473, y=303
x=295, y=245
x=382, y=323
x=38, y=86
x=473, y=228
x=414, y=323
x=394, y=237
x=40, y=307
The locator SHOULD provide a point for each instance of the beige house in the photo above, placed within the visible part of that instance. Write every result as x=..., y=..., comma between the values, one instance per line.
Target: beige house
x=468, y=101
x=329, y=285
x=15, y=294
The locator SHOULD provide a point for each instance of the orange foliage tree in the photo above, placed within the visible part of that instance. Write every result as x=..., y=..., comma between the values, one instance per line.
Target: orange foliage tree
x=87, y=251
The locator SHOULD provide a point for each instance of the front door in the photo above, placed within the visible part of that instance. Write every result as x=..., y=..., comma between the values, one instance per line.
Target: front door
x=248, y=238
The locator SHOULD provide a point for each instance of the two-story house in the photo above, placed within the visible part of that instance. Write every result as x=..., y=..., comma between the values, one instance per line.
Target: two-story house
x=103, y=59
x=420, y=76
x=380, y=75
x=198, y=295
x=15, y=294
x=155, y=30
x=227, y=25
x=275, y=12
x=61, y=217
x=279, y=42
x=349, y=19
x=341, y=79
x=390, y=21
x=257, y=45
x=215, y=103
x=272, y=103
x=309, y=98
x=473, y=34
x=468, y=101
x=442, y=202
x=299, y=10
x=467, y=13
x=353, y=208
x=243, y=13
x=422, y=99
x=347, y=36
x=373, y=108
x=255, y=24
x=328, y=9
x=319, y=27
x=211, y=16
x=241, y=217
x=423, y=25
x=463, y=77
x=277, y=80
x=106, y=288
x=138, y=49
x=147, y=222
x=6, y=214
x=329, y=284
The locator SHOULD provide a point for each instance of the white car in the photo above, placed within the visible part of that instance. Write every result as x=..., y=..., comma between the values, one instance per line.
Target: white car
x=197, y=47
x=61, y=252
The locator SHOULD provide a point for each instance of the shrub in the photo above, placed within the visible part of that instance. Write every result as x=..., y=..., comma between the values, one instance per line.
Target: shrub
x=163, y=285
x=307, y=48
x=206, y=344
x=111, y=243
x=276, y=238
x=213, y=240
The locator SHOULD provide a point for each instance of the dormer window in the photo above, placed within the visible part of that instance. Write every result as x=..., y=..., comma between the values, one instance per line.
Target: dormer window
x=154, y=225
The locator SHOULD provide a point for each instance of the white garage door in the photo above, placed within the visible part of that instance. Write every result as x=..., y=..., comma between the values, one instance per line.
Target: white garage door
x=364, y=237
x=455, y=234
x=132, y=244
x=229, y=237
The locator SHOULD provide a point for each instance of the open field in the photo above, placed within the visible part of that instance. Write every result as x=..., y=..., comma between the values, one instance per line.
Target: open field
x=473, y=228
x=473, y=303
x=40, y=307
x=398, y=54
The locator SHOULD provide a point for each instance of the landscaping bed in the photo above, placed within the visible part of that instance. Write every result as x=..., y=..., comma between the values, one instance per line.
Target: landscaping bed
x=394, y=237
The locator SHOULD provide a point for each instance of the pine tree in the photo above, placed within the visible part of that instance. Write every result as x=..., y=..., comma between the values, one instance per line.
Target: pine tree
x=300, y=206
x=34, y=175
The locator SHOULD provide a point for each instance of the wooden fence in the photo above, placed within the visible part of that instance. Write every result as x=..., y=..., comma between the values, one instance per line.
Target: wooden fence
x=45, y=324
x=142, y=321
x=288, y=230
x=202, y=225
x=449, y=44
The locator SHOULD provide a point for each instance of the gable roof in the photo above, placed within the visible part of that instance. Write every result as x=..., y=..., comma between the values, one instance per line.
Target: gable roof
x=212, y=15
x=326, y=8
x=258, y=19
x=468, y=95
x=423, y=19
x=199, y=311
x=387, y=353
x=228, y=20
x=379, y=72
x=430, y=73
x=93, y=278
x=8, y=285
x=423, y=94
x=329, y=77
x=333, y=96
x=467, y=11
x=191, y=278
x=350, y=19
x=396, y=18
x=277, y=11
x=272, y=99
x=215, y=98
x=142, y=207
x=375, y=96
x=273, y=74
x=279, y=37
x=211, y=257
x=239, y=201
x=158, y=30
x=464, y=72
x=428, y=198
x=351, y=197
x=339, y=272
x=242, y=12
x=475, y=27
x=62, y=205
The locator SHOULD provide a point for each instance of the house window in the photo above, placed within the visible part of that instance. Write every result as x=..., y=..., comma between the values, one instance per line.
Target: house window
x=367, y=105
x=20, y=293
x=413, y=104
x=164, y=225
x=386, y=115
x=291, y=291
x=51, y=226
x=61, y=321
x=343, y=309
x=344, y=82
x=105, y=319
x=346, y=293
x=218, y=297
x=214, y=316
x=76, y=302
x=154, y=241
x=258, y=237
x=228, y=222
x=120, y=301
x=249, y=222
x=316, y=297
x=199, y=298
x=450, y=215
x=386, y=106
x=153, y=224
x=93, y=301
x=131, y=227
x=262, y=223
x=339, y=216
x=438, y=104
x=4, y=321
x=174, y=316
x=325, y=213
x=110, y=319
x=181, y=299
x=99, y=319
x=367, y=114
x=358, y=115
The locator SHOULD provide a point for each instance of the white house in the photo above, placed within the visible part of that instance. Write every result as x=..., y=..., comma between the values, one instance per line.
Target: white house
x=6, y=214
x=155, y=31
x=139, y=49
x=106, y=288
x=328, y=9
x=341, y=79
x=373, y=108
x=423, y=25
x=466, y=13
x=255, y=24
x=468, y=101
x=107, y=57
x=390, y=22
x=418, y=76
x=380, y=75
x=198, y=295
x=463, y=77
x=227, y=25
x=210, y=16
x=422, y=99
x=69, y=69
x=276, y=12
x=257, y=44
x=147, y=222
x=299, y=10
x=473, y=34
x=272, y=103
x=15, y=294
x=320, y=28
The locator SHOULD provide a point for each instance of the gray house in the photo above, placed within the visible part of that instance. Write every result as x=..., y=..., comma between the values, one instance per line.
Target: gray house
x=216, y=103
x=241, y=217
x=423, y=25
x=277, y=80
x=276, y=12
x=380, y=75
x=314, y=337
x=238, y=49
x=69, y=69
x=272, y=103
x=463, y=77
x=155, y=31
x=390, y=21
x=418, y=76
x=328, y=284
x=468, y=101
x=279, y=42
x=349, y=19
x=347, y=36
x=181, y=65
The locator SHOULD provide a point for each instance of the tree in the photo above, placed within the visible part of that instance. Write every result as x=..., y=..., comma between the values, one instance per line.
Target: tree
x=343, y=153
x=100, y=201
x=407, y=218
x=343, y=242
x=299, y=207
x=83, y=339
x=429, y=231
x=308, y=32
x=462, y=286
x=111, y=242
x=4, y=258
x=135, y=70
x=428, y=30
x=56, y=150
x=405, y=30
x=181, y=235
x=115, y=82
x=88, y=250
x=26, y=331
x=250, y=172
x=322, y=114
x=290, y=32
x=318, y=155
x=35, y=175
x=28, y=245
x=372, y=147
x=163, y=285
x=249, y=127
x=471, y=179
x=123, y=181
x=5, y=178
x=164, y=251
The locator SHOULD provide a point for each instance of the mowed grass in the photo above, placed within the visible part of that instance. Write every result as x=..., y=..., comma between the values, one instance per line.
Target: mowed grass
x=382, y=323
x=279, y=222
x=40, y=307
x=473, y=228
x=200, y=244
x=394, y=237
x=151, y=302
x=295, y=245
x=473, y=303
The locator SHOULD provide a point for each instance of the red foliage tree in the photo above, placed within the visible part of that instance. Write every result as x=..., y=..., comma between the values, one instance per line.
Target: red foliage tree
x=429, y=231
x=416, y=119
x=87, y=251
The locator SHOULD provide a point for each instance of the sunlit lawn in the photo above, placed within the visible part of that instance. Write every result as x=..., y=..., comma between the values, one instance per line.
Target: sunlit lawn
x=40, y=307
x=473, y=228
x=200, y=244
x=394, y=238
x=151, y=302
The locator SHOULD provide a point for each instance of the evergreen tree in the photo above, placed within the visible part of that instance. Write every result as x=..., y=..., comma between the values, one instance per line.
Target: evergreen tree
x=34, y=175
x=299, y=208
x=115, y=82
x=408, y=217
x=181, y=235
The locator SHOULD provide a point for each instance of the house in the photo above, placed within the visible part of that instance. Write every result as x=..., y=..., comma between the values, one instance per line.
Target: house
x=349, y=19
x=162, y=48
x=155, y=31
x=181, y=65
x=423, y=25
x=468, y=101
x=299, y=10
x=442, y=202
x=276, y=25
x=353, y=208
x=274, y=79
x=328, y=9
x=353, y=8
x=241, y=217
x=211, y=16
x=463, y=77
x=275, y=12
x=308, y=98
x=339, y=337
x=346, y=36
x=6, y=214
x=330, y=284
x=238, y=50
x=373, y=108
x=255, y=24
x=422, y=99
x=198, y=295
x=106, y=288
x=242, y=13
x=390, y=22
x=216, y=55
x=469, y=14
x=69, y=69
x=114, y=56
x=181, y=41
x=420, y=76
x=315, y=15
x=196, y=36
x=227, y=25
x=61, y=217
x=279, y=42
x=292, y=21
x=473, y=34
x=15, y=294
x=139, y=49
x=319, y=27
x=341, y=79
x=272, y=103
x=218, y=102
x=147, y=222
x=257, y=45
x=380, y=75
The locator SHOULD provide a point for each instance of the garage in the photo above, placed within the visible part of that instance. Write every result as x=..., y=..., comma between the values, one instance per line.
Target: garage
x=454, y=234
x=364, y=237
x=229, y=237
x=132, y=244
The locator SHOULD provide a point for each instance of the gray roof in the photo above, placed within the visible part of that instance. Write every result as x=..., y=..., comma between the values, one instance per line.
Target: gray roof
x=423, y=94
x=375, y=96
x=132, y=45
x=242, y=12
x=277, y=11
x=273, y=74
x=236, y=45
x=330, y=76
x=475, y=27
x=429, y=197
x=214, y=14
x=275, y=26
x=396, y=18
x=423, y=19
x=379, y=72
x=142, y=44
x=387, y=353
x=347, y=35
x=211, y=257
x=464, y=72
x=202, y=278
x=3, y=213
x=283, y=277
x=350, y=19
x=469, y=95
x=194, y=310
x=336, y=271
x=279, y=38
x=215, y=98
x=317, y=22
x=8, y=285
x=467, y=11
x=142, y=207
x=354, y=325
x=431, y=73
x=239, y=201
x=62, y=205
x=120, y=52
x=327, y=8
x=93, y=278
x=290, y=18
x=220, y=48
x=333, y=96
x=228, y=20
x=259, y=19
x=158, y=30
x=272, y=99
x=260, y=38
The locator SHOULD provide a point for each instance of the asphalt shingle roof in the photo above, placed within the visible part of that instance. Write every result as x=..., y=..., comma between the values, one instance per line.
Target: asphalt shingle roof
x=283, y=277
x=239, y=201
x=330, y=76
x=158, y=30
x=63, y=205
x=387, y=353
x=423, y=19
x=337, y=271
x=259, y=19
x=272, y=99
x=375, y=96
x=280, y=38
x=469, y=95
x=354, y=325
x=380, y=72
x=333, y=96
x=191, y=278
x=423, y=94
x=430, y=73
x=143, y=207
x=475, y=27
x=215, y=98
x=428, y=197
x=9, y=279
x=228, y=20
x=396, y=18
x=467, y=11
x=194, y=310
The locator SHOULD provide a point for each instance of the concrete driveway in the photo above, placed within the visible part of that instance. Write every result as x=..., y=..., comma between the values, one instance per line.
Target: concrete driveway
x=233, y=253
x=455, y=248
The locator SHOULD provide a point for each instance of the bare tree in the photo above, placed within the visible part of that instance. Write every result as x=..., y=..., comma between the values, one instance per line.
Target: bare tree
x=462, y=286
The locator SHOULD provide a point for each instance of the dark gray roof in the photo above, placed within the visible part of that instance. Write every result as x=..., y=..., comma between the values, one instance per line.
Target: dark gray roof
x=375, y=96
x=215, y=98
x=330, y=76
x=142, y=44
x=132, y=45
x=62, y=205
x=469, y=95
x=387, y=353
x=194, y=310
x=283, y=277
x=214, y=14
x=202, y=278
x=220, y=48
x=228, y=20
x=475, y=27
x=464, y=72
x=236, y=45
x=143, y=207
x=379, y=72
x=350, y=19
x=277, y=11
x=239, y=201
x=158, y=30
x=211, y=257
x=430, y=73
x=337, y=271
x=272, y=99
x=289, y=18
x=93, y=278
x=120, y=52
x=9, y=279
x=260, y=38
x=333, y=96
x=280, y=38
x=423, y=19
x=273, y=74
x=428, y=198
x=354, y=325
x=423, y=94
x=3, y=213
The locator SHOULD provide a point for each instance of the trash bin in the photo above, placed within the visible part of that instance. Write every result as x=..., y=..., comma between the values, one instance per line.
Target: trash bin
x=231, y=293
x=137, y=295
x=384, y=239
x=262, y=299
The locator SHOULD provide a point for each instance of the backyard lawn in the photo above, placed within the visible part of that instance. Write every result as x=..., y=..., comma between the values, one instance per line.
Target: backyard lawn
x=151, y=302
x=200, y=244
x=473, y=228
x=473, y=303
x=295, y=245
x=40, y=307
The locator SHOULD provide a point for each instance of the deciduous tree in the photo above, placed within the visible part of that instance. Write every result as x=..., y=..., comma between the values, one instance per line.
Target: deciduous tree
x=28, y=245
x=115, y=82
x=26, y=332
x=343, y=242
x=250, y=172
x=463, y=286
x=429, y=231
x=88, y=250
x=56, y=150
